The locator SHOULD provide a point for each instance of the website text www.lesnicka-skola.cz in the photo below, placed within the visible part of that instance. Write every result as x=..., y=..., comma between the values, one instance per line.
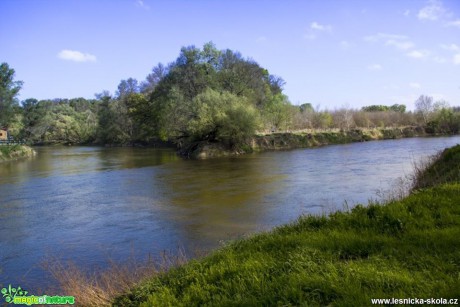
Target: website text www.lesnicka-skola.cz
x=414, y=301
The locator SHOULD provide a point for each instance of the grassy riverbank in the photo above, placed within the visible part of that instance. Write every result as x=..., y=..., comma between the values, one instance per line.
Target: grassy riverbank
x=405, y=249
x=14, y=152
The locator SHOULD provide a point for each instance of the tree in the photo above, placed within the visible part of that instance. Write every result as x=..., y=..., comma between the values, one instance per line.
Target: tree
x=152, y=79
x=277, y=113
x=343, y=118
x=127, y=87
x=424, y=107
x=375, y=108
x=306, y=107
x=401, y=108
x=9, y=89
x=172, y=105
x=222, y=117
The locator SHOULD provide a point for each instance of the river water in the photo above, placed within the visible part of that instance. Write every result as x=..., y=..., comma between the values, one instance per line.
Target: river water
x=91, y=204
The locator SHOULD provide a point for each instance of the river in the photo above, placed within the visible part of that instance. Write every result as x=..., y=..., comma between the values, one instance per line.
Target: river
x=91, y=204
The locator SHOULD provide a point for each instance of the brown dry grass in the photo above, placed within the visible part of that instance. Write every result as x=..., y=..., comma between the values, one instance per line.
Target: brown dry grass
x=99, y=288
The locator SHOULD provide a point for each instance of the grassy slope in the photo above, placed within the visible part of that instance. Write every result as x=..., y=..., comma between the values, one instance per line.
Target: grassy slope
x=407, y=248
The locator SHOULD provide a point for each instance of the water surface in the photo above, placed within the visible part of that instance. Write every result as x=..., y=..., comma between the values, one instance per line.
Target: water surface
x=89, y=204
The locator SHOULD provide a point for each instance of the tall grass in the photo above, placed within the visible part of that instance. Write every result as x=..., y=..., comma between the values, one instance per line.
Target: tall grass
x=100, y=287
x=441, y=168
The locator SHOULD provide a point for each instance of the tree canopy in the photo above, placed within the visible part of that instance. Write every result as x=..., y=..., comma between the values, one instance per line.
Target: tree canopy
x=210, y=94
x=9, y=89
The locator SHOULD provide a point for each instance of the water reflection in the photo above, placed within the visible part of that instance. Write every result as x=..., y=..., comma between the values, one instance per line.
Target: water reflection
x=219, y=198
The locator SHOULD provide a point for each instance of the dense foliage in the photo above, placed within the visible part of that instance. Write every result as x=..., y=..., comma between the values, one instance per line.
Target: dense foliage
x=9, y=89
x=212, y=95
x=205, y=95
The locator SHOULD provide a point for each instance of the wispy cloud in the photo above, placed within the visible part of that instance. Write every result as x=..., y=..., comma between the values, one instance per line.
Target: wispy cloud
x=455, y=49
x=451, y=47
x=455, y=23
x=316, y=28
x=319, y=27
x=141, y=4
x=76, y=56
x=375, y=67
x=398, y=41
x=406, y=13
x=457, y=59
x=400, y=44
x=433, y=10
x=415, y=85
x=384, y=36
x=418, y=54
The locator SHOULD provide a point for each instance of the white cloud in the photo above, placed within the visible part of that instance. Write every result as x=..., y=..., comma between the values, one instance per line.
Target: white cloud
x=384, y=36
x=400, y=44
x=375, y=67
x=141, y=3
x=457, y=59
x=77, y=56
x=455, y=23
x=418, y=54
x=434, y=10
x=451, y=47
x=315, y=28
x=319, y=27
x=415, y=85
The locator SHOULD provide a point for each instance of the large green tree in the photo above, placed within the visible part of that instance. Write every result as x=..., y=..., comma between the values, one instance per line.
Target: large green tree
x=223, y=84
x=9, y=90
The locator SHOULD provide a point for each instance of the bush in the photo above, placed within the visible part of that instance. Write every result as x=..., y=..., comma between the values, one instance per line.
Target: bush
x=221, y=117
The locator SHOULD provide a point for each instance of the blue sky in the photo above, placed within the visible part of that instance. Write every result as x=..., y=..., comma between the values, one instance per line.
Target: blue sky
x=330, y=53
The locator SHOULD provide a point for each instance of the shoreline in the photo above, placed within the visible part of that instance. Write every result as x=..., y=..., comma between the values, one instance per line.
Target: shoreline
x=303, y=139
x=10, y=153
x=277, y=141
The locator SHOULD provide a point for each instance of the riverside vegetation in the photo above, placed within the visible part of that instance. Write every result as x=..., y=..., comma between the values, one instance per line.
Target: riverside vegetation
x=206, y=101
x=14, y=152
x=404, y=248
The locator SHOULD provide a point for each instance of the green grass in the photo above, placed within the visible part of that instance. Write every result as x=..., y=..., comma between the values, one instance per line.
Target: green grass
x=406, y=248
x=445, y=168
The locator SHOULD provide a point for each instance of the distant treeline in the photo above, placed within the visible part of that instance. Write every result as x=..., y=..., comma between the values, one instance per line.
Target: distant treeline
x=204, y=95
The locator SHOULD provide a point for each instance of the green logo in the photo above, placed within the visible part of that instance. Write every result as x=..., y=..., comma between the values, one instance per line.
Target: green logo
x=18, y=296
x=10, y=293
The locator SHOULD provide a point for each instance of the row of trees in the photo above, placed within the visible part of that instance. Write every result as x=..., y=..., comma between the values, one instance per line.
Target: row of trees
x=436, y=117
x=204, y=95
